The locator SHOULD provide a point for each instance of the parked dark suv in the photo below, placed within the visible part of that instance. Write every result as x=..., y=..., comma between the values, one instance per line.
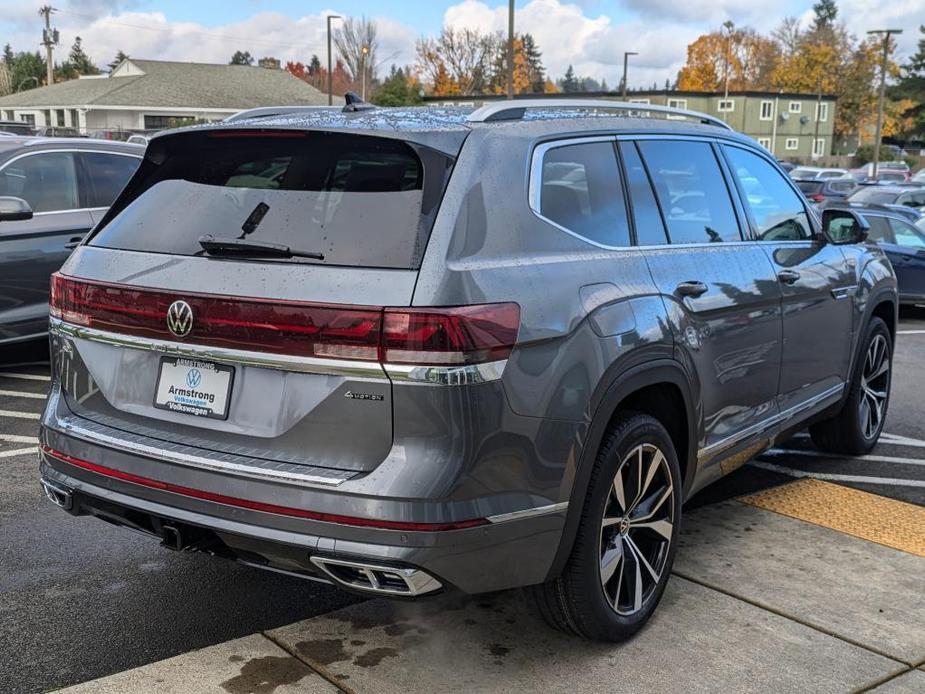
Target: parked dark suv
x=52, y=191
x=411, y=350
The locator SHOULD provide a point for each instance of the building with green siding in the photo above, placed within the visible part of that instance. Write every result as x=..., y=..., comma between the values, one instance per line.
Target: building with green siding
x=789, y=125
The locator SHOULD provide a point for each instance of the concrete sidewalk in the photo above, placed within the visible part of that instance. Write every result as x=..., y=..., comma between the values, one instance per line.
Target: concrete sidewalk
x=760, y=601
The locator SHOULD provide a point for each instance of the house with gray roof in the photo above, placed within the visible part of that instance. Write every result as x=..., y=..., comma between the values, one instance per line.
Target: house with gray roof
x=155, y=94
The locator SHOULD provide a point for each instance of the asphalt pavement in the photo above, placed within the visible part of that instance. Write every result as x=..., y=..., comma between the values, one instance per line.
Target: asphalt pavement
x=80, y=599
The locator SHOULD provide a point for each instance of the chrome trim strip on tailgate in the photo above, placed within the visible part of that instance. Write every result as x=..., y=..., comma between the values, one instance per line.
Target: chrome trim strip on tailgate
x=267, y=470
x=310, y=365
x=470, y=374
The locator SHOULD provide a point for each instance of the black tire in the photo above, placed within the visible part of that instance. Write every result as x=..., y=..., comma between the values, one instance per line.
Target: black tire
x=578, y=601
x=847, y=431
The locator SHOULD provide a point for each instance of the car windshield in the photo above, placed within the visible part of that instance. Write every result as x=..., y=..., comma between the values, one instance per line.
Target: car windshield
x=873, y=195
x=359, y=201
x=803, y=173
x=810, y=187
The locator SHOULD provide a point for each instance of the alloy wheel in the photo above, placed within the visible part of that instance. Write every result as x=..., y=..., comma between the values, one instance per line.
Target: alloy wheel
x=636, y=529
x=875, y=383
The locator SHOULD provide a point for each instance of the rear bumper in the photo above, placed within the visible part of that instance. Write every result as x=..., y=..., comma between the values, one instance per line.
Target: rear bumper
x=512, y=550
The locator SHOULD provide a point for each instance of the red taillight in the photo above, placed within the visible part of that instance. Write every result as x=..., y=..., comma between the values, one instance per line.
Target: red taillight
x=462, y=335
x=817, y=197
x=448, y=336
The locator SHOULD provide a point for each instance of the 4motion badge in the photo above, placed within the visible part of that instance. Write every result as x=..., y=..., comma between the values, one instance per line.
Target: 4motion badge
x=363, y=396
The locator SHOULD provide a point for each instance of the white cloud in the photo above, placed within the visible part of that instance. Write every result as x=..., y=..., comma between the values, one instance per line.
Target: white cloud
x=594, y=46
x=152, y=35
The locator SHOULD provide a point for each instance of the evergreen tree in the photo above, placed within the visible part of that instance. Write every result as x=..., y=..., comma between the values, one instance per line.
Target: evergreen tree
x=911, y=85
x=241, y=58
x=569, y=84
x=79, y=61
x=8, y=56
x=604, y=87
x=824, y=14
x=667, y=85
x=314, y=65
x=27, y=71
x=120, y=56
x=396, y=90
x=535, y=70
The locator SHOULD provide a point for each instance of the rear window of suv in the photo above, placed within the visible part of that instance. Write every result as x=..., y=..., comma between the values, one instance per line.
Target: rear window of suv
x=359, y=200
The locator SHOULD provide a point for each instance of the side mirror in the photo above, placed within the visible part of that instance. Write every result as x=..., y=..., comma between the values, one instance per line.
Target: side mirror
x=14, y=209
x=844, y=226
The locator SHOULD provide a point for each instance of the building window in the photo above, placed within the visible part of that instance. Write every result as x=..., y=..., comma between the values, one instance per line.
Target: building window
x=765, y=142
x=819, y=147
x=677, y=103
x=792, y=143
x=767, y=110
x=162, y=122
x=822, y=112
x=725, y=106
x=639, y=101
x=796, y=107
x=59, y=117
x=27, y=118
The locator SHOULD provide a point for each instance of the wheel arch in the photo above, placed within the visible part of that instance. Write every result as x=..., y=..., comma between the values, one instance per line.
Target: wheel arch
x=660, y=388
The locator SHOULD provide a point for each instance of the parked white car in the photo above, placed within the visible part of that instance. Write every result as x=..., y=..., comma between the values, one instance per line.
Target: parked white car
x=815, y=173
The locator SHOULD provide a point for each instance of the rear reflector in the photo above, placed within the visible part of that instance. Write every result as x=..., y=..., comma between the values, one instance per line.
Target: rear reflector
x=258, y=505
x=432, y=336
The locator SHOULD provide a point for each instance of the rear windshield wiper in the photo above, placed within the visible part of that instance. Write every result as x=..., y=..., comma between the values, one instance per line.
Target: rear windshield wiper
x=251, y=248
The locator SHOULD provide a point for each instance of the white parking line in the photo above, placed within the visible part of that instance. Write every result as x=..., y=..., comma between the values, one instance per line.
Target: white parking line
x=910, y=332
x=24, y=377
x=837, y=478
x=17, y=451
x=15, y=438
x=19, y=415
x=897, y=440
x=21, y=394
x=835, y=456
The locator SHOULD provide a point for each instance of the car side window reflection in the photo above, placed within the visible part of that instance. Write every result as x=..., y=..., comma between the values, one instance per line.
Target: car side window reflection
x=906, y=235
x=879, y=230
x=47, y=181
x=776, y=209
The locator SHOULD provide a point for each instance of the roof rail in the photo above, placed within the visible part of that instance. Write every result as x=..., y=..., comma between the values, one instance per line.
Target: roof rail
x=515, y=109
x=268, y=111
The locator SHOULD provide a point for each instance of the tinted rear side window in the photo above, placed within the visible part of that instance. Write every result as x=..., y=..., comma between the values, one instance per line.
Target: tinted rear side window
x=650, y=230
x=46, y=180
x=581, y=191
x=691, y=190
x=107, y=174
x=362, y=201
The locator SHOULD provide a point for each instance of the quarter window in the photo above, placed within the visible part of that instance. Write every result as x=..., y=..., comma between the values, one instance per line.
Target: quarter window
x=691, y=191
x=776, y=209
x=47, y=181
x=581, y=191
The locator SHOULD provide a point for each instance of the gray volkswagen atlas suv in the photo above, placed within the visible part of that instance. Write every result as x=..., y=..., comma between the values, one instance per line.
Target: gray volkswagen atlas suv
x=414, y=350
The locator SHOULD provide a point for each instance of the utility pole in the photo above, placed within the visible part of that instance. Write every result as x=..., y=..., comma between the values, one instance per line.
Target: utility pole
x=49, y=40
x=729, y=26
x=626, y=59
x=883, y=66
x=510, y=49
x=330, y=73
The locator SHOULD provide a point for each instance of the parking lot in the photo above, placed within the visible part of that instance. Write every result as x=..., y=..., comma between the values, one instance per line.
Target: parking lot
x=81, y=600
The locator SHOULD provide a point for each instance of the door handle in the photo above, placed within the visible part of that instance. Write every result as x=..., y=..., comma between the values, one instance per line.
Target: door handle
x=788, y=276
x=691, y=288
x=73, y=242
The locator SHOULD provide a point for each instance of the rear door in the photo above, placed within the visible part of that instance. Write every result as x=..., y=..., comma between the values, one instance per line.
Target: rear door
x=907, y=253
x=720, y=291
x=814, y=278
x=31, y=250
x=260, y=357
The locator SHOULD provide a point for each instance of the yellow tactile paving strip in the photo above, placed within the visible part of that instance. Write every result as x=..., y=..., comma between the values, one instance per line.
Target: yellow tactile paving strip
x=853, y=512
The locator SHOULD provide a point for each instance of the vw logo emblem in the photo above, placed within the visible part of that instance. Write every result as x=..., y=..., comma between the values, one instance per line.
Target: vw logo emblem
x=193, y=378
x=180, y=318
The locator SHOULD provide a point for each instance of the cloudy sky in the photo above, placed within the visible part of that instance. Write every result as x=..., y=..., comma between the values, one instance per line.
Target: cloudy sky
x=590, y=34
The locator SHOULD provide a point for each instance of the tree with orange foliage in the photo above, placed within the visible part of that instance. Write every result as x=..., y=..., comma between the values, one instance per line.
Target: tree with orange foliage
x=748, y=57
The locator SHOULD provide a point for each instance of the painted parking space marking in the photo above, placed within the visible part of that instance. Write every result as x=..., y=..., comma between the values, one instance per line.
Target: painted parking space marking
x=14, y=438
x=22, y=394
x=879, y=519
x=834, y=456
x=24, y=377
x=857, y=479
x=910, y=332
x=19, y=415
x=18, y=451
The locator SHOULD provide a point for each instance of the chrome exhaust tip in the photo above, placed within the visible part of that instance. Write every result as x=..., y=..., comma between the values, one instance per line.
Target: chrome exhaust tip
x=376, y=578
x=58, y=495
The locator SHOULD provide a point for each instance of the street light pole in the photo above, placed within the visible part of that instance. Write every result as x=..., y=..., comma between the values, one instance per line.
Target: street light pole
x=330, y=74
x=883, y=66
x=729, y=26
x=626, y=58
x=364, y=51
x=510, y=49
